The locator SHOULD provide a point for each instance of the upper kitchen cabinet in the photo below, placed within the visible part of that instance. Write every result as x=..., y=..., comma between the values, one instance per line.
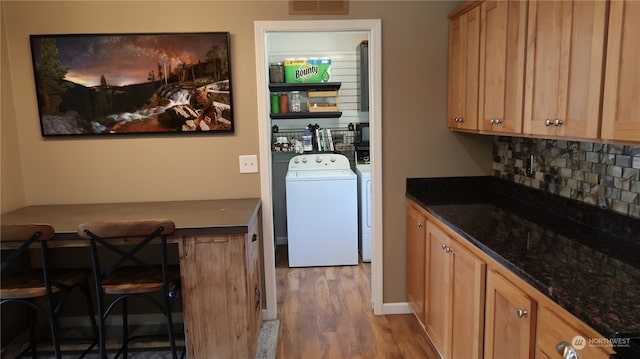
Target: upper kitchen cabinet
x=564, y=68
x=621, y=105
x=464, y=49
x=502, y=58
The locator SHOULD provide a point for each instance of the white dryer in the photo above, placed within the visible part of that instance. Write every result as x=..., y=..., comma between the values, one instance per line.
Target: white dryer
x=365, y=221
x=322, y=211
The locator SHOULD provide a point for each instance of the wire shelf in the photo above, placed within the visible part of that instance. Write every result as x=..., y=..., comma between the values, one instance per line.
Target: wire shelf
x=286, y=140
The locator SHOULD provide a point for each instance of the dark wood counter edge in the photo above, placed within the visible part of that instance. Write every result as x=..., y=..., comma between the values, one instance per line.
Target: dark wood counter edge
x=177, y=234
x=71, y=239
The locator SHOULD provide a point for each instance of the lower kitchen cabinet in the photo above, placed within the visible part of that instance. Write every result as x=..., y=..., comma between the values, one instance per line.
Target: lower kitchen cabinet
x=468, y=296
x=556, y=333
x=254, y=289
x=455, y=296
x=471, y=306
x=438, y=285
x=231, y=295
x=416, y=238
x=510, y=320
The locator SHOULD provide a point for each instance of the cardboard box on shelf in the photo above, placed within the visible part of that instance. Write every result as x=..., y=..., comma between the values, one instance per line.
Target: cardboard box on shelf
x=322, y=101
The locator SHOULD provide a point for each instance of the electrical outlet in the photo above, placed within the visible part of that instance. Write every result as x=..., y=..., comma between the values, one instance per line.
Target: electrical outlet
x=248, y=163
x=529, y=165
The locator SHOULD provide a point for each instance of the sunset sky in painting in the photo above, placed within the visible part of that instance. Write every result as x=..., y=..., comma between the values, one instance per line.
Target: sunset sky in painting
x=129, y=58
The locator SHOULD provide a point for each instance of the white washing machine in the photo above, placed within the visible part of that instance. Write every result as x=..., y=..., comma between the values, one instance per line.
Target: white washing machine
x=322, y=211
x=363, y=172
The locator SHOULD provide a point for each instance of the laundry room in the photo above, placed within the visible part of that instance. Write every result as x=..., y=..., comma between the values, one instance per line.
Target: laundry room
x=320, y=163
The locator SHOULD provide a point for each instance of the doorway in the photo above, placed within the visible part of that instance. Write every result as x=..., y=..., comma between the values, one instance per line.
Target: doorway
x=374, y=32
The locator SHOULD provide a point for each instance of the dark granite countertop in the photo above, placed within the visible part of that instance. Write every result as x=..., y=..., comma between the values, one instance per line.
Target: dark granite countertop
x=584, y=258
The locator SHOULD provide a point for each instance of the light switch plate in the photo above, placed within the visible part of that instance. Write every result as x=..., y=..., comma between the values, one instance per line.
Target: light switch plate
x=248, y=163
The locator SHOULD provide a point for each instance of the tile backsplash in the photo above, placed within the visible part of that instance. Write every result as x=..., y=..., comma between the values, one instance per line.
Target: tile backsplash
x=603, y=175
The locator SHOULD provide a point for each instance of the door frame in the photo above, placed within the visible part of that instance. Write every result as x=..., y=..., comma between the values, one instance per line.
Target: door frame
x=374, y=29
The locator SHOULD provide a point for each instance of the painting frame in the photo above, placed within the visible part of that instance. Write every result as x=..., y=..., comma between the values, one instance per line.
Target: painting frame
x=133, y=83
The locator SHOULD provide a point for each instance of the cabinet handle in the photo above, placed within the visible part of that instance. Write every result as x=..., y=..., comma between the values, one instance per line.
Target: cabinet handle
x=495, y=121
x=459, y=119
x=566, y=350
x=420, y=225
x=256, y=291
x=522, y=313
x=555, y=122
x=254, y=238
x=446, y=248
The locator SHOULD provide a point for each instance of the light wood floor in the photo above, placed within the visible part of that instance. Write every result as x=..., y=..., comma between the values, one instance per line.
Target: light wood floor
x=325, y=312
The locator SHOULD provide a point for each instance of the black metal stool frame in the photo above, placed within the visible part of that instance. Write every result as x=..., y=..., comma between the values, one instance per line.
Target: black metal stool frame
x=169, y=293
x=53, y=306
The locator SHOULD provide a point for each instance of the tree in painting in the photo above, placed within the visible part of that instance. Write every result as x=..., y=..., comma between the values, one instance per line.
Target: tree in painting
x=51, y=73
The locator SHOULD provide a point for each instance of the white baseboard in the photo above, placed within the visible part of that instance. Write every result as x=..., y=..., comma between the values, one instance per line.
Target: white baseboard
x=115, y=320
x=396, y=308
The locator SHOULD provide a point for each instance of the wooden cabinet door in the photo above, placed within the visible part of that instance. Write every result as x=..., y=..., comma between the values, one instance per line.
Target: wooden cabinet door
x=563, y=81
x=254, y=283
x=464, y=52
x=510, y=320
x=468, y=303
x=254, y=286
x=502, y=59
x=221, y=276
x=438, y=301
x=621, y=108
x=416, y=237
x=222, y=297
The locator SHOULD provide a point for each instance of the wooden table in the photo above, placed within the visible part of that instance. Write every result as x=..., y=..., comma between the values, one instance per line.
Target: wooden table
x=220, y=266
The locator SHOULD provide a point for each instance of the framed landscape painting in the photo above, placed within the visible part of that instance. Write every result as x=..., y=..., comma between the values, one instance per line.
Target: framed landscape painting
x=114, y=84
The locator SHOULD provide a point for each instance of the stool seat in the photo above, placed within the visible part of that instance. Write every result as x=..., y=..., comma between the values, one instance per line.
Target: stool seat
x=129, y=280
x=23, y=286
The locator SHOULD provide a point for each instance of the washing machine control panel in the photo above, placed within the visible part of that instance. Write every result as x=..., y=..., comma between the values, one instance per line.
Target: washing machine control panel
x=319, y=161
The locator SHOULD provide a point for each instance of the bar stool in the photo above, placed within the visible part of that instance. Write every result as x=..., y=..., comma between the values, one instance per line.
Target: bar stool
x=24, y=285
x=119, y=278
